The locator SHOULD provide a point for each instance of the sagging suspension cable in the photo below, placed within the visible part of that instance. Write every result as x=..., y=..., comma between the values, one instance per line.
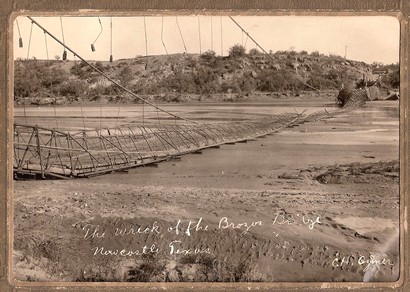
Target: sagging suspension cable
x=270, y=57
x=20, y=38
x=109, y=78
x=62, y=33
x=180, y=33
x=101, y=30
x=45, y=42
x=162, y=35
x=29, y=41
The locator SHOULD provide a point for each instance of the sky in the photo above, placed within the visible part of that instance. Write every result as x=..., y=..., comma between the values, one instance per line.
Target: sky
x=362, y=38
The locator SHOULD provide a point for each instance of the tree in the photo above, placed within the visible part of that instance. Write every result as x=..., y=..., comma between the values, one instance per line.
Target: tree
x=57, y=57
x=237, y=51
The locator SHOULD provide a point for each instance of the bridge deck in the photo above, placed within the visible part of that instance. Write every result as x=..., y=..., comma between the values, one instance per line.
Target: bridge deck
x=52, y=153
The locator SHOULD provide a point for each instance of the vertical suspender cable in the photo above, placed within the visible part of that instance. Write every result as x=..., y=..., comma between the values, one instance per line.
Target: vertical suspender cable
x=146, y=66
x=29, y=41
x=199, y=30
x=75, y=65
x=222, y=43
x=62, y=30
x=62, y=33
x=28, y=54
x=118, y=115
x=81, y=107
x=51, y=84
x=20, y=38
x=111, y=58
x=101, y=30
x=180, y=33
x=212, y=36
x=162, y=35
x=114, y=82
x=146, y=41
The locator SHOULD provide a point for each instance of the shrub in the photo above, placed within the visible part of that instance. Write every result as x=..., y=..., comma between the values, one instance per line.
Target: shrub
x=237, y=51
x=179, y=82
x=208, y=56
x=278, y=80
x=125, y=76
x=391, y=80
x=318, y=81
x=315, y=54
x=33, y=76
x=73, y=88
x=253, y=52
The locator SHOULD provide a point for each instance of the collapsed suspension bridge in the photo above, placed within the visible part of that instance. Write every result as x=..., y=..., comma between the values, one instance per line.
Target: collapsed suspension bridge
x=47, y=153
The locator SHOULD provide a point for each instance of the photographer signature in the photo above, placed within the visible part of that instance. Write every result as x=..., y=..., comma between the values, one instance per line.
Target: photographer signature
x=368, y=262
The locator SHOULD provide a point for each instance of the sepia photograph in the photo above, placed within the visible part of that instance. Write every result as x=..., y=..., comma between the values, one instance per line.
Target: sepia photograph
x=206, y=148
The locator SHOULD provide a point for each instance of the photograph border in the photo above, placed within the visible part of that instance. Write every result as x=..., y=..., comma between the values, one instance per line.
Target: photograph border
x=10, y=9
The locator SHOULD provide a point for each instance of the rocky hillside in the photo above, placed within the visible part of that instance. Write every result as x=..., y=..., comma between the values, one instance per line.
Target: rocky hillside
x=193, y=77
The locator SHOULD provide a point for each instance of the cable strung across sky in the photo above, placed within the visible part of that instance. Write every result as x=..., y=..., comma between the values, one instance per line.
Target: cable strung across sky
x=105, y=75
x=328, y=35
